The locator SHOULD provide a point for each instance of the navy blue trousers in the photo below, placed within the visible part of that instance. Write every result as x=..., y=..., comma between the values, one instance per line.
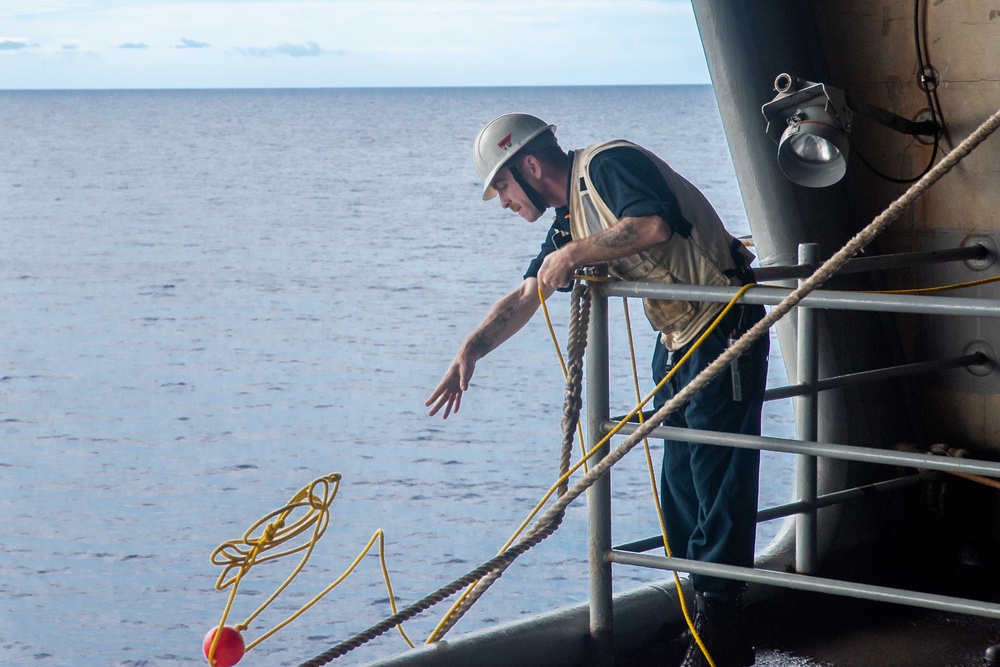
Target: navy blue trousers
x=709, y=492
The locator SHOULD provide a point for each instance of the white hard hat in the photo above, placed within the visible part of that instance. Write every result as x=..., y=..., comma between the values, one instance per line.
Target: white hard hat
x=499, y=140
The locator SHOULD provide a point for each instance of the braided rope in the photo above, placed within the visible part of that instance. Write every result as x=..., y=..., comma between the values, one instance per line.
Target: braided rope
x=941, y=449
x=573, y=402
x=549, y=521
x=429, y=601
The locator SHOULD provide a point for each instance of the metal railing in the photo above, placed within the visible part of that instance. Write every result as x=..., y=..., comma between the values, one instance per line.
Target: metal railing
x=807, y=387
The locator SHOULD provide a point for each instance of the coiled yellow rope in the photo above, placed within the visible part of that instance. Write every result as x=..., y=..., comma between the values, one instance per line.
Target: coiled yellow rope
x=280, y=527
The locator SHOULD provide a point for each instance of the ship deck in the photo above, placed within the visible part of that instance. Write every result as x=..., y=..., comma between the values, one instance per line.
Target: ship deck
x=843, y=632
x=814, y=630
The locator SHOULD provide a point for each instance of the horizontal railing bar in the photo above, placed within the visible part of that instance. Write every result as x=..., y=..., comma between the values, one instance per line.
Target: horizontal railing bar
x=876, y=262
x=811, y=583
x=639, y=546
x=845, y=452
x=846, y=495
x=877, y=375
x=831, y=299
x=780, y=511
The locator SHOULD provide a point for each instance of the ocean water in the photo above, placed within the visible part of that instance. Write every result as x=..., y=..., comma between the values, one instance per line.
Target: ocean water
x=211, y=298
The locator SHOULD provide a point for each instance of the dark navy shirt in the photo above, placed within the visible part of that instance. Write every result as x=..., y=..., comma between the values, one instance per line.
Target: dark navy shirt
x=631, y=186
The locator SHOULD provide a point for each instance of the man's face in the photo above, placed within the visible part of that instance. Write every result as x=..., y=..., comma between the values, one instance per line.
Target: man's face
x=512, y=196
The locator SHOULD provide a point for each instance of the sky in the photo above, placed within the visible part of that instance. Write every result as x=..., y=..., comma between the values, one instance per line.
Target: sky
x=101, y=44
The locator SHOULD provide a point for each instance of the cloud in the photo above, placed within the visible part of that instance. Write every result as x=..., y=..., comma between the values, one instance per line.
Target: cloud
x=293, y=43
x=70, y=47
x=15, y=44
x=307, y=50
x=191, y=44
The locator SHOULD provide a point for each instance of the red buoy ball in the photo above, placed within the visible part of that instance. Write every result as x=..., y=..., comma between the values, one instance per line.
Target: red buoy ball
x=229, y=650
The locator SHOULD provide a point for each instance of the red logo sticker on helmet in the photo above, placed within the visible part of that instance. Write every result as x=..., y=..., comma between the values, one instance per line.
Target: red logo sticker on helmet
x=504, y=143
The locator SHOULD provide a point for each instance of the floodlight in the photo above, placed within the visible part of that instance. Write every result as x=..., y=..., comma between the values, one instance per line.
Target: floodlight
x=811, y=122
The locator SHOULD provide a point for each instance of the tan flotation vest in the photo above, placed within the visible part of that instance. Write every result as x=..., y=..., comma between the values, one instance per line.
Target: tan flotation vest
x=703, y=258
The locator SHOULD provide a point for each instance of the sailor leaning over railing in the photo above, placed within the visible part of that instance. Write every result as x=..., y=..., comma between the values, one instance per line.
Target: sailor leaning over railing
x=619, y=204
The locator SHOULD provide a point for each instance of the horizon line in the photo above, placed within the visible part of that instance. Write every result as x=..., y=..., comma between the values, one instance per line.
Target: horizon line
x=294, y=88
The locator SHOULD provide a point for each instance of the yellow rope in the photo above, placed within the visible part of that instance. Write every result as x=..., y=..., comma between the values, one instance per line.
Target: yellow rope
x=656, y=491
x=242, y=554
x=986, y=481
x=940, y=288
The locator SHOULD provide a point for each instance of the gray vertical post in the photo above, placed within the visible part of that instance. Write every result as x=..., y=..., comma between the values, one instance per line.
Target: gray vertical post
x=599, y=495
x=806, y=426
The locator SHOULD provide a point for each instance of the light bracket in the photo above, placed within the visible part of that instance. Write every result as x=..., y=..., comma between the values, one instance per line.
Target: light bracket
x=794, y=94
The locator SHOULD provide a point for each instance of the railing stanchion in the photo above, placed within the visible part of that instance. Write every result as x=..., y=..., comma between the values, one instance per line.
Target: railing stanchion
x=806, y=425
x=599, y=495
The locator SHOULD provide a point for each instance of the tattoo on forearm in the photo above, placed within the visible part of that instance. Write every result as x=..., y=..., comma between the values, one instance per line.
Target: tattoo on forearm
x=505, y=315
x=481, y=344
x=478, y=345
x=623, y=235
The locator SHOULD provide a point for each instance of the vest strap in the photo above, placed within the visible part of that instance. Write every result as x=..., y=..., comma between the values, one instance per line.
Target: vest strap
x=742, y=270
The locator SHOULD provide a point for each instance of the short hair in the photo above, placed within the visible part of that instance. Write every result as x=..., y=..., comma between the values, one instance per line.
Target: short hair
x=545, y=148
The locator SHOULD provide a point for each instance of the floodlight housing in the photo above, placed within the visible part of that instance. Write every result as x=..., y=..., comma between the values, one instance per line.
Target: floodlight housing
x=811, y=122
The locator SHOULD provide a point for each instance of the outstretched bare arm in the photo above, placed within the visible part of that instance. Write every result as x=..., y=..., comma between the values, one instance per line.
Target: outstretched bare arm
x=505, y=319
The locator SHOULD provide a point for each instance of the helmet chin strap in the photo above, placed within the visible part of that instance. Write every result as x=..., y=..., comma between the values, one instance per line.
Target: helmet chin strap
x=533, y=195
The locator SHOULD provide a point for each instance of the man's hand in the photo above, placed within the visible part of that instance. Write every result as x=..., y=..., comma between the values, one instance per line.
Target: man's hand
x=505, y=319
x=448, y=394
x=628, y=237
x=557, y=269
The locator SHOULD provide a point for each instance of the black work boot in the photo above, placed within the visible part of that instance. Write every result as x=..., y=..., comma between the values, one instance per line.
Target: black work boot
x=723, y=629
